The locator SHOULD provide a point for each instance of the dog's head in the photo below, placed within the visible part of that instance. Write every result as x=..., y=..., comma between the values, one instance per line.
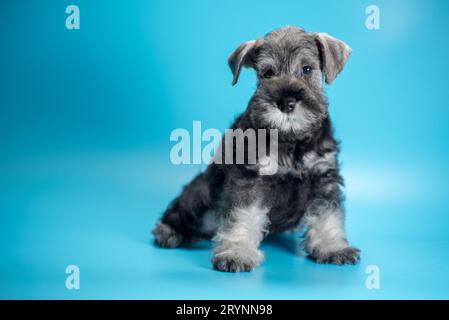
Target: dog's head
x=291, y=65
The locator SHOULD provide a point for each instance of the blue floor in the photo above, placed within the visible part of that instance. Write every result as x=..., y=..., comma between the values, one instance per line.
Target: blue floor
x=96, y=211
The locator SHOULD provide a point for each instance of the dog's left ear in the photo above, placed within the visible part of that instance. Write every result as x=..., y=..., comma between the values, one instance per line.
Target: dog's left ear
x=242, y=57
x=334, y=54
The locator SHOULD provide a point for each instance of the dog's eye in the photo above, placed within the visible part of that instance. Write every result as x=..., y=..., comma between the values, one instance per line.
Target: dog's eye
x=268, y=74
x=307, y=70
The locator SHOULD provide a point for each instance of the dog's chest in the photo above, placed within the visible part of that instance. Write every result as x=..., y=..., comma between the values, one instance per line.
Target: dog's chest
x=287, y=189
x=286, y=194
x=288, y=159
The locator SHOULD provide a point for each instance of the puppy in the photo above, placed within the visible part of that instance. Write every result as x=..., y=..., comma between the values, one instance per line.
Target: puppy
x=238, y=204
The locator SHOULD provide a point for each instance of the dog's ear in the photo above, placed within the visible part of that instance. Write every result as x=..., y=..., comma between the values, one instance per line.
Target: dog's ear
x=334, y=54
x=242, y=57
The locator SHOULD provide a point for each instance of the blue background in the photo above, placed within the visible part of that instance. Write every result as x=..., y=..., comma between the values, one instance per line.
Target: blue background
x=85, y=119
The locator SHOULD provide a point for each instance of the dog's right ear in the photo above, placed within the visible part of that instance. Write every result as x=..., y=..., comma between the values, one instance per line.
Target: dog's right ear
x=242, y=57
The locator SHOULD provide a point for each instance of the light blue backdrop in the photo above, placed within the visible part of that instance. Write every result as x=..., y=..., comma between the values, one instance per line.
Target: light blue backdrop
x=85, y=119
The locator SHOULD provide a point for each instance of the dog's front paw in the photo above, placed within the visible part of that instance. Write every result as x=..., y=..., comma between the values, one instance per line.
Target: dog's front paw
x=166, y=237
x=236, y=262
x=349, y=255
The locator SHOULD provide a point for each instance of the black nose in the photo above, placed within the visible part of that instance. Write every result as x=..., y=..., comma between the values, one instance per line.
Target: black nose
x=287, y=104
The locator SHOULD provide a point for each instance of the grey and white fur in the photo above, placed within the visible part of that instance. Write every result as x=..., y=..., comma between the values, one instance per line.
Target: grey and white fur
x=235, y=204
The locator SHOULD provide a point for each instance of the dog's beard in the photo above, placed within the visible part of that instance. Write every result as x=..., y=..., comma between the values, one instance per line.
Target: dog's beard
x=299, y=122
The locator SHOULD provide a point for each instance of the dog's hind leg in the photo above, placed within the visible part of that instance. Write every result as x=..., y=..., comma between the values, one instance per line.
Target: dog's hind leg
x=182, y=222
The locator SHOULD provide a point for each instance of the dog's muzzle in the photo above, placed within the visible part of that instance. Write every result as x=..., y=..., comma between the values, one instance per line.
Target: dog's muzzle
x=287, y=104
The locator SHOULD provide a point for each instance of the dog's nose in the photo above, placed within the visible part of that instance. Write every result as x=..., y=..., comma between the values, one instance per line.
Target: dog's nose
x=287, y=104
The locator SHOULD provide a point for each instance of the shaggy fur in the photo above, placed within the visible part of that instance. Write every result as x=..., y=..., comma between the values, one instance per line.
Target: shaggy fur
x=237, y=205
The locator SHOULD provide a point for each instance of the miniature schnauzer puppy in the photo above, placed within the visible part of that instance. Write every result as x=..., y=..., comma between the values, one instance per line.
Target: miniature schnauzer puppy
x=237, y=205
